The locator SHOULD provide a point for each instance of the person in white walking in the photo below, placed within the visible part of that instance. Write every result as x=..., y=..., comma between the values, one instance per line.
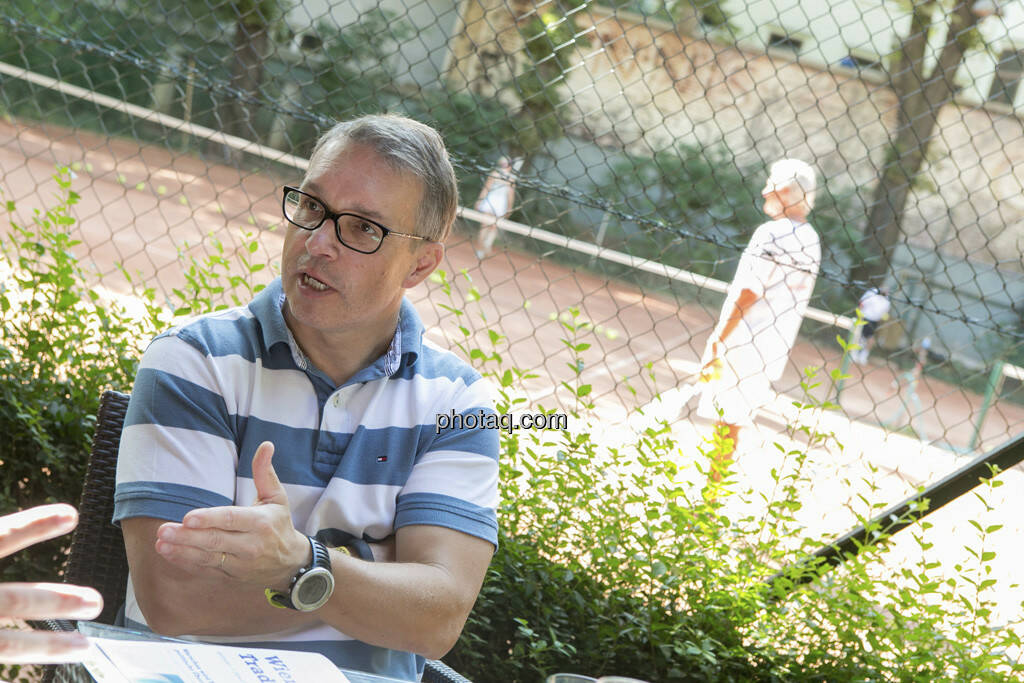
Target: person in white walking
x=874, y=307
x=763, y=309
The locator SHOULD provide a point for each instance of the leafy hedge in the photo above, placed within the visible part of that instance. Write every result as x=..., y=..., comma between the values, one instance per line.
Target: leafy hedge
x=61, y=345
x=630, y=559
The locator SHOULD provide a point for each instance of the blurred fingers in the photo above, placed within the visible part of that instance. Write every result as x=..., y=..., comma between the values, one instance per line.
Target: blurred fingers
x=49, y=601
x=41, y=647
x=21, y=529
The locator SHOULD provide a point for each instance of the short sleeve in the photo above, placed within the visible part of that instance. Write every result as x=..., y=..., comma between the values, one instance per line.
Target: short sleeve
x=454, y=483
x=177, y=449
x=757, y=265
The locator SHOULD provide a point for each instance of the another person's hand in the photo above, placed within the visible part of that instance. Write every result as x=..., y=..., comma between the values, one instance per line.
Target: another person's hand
x=257, y=544
x=42, y=600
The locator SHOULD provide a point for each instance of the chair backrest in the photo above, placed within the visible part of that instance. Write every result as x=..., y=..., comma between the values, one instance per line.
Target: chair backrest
x=97, y=555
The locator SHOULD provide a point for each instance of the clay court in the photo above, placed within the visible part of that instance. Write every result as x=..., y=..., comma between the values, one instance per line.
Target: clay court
x=151, y=210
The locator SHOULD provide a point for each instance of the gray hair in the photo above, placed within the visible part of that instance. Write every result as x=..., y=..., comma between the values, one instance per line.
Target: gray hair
x=407, y=146
x=797, y=175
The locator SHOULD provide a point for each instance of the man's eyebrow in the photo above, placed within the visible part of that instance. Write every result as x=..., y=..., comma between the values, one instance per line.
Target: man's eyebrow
x=316, y=190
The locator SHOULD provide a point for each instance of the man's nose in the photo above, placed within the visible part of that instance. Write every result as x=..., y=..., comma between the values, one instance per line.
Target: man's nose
x=323, y=241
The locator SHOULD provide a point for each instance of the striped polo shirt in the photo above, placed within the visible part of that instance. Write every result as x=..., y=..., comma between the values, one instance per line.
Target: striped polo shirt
x=358, y=460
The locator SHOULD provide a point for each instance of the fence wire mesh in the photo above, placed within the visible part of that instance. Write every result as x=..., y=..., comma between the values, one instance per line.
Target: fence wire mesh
x=638, y=134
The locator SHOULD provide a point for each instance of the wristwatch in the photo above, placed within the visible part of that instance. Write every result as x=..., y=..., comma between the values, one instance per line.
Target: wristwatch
x=311, y=587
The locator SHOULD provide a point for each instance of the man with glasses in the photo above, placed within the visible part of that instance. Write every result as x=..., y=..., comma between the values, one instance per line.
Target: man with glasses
x=368, y=537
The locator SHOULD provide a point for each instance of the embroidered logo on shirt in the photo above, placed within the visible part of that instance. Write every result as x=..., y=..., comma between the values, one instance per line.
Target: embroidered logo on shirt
x=382, y=458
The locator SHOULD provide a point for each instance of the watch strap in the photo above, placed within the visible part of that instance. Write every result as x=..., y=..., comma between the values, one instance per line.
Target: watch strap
x=346, y=542
x=361, y=549
x=321, y=558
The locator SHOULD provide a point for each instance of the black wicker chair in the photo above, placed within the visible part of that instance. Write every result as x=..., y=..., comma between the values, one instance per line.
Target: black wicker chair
x=97, y=555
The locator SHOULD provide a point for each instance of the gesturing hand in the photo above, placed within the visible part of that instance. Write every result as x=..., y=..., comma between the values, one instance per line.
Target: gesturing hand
x=256, y=544
x=42, y=600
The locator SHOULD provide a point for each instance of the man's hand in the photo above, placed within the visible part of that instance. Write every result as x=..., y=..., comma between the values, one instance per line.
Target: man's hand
x=42, y=600
x=256, y=544
x=712, y=370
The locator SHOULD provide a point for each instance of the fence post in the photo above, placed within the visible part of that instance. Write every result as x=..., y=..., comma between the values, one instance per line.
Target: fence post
x=992, y=388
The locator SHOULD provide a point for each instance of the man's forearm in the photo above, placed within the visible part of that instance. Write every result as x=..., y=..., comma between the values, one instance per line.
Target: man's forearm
x=405, y=606
x=743, y=302
x=228, y=609
x=200, y=605
x=412, y=606
x=408, y=606
x=220, y=560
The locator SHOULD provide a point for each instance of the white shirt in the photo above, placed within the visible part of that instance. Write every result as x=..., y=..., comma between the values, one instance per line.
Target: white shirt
x=873, y=305
x=496, y=201
x=780, y=266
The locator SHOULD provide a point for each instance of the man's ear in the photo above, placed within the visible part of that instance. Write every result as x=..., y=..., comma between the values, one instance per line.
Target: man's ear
x=428, y=257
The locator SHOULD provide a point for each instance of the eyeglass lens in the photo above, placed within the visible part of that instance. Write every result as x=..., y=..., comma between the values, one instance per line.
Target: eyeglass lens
x=354, y=231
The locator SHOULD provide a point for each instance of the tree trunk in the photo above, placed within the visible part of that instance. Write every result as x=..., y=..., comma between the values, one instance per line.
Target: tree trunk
x=921, y=98
x=248, y=53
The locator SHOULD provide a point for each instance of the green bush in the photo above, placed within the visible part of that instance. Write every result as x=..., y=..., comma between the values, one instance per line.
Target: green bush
x=631, y=560
x=61, y=345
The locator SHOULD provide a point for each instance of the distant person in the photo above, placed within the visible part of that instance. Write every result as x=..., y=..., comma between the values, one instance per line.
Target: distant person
x=42, y=600
x=874, y=307
x=764, y=307
x=496, y=197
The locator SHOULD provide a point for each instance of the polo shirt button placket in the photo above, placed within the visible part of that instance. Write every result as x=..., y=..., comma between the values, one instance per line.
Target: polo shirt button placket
x=341, y=420
x=342, y=396
x=340, y=401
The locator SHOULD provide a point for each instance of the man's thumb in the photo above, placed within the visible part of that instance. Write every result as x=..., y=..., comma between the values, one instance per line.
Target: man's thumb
x=268, y=486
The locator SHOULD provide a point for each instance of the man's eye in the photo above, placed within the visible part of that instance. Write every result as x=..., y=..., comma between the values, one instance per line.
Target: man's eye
x=367, y=228
x=310, y=204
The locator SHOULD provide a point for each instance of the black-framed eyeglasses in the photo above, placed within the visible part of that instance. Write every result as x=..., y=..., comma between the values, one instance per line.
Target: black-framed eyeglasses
x=356, y=232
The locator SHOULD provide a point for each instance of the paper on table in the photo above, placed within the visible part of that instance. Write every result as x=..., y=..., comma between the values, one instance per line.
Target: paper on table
x=125, y=661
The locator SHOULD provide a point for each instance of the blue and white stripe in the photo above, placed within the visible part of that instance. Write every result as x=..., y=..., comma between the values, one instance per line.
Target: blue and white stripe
x=363, y=457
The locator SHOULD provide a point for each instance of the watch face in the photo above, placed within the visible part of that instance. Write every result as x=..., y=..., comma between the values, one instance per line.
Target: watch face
x=313, y=589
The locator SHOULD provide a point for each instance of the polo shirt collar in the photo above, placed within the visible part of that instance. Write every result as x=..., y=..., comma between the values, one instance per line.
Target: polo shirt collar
x=266, y=308
x=403, y=352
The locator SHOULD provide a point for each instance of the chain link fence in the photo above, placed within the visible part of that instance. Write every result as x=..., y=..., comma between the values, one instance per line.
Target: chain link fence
x=638, y=135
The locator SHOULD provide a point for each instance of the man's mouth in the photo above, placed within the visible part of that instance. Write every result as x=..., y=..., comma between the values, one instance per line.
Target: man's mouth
x=313, y=283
